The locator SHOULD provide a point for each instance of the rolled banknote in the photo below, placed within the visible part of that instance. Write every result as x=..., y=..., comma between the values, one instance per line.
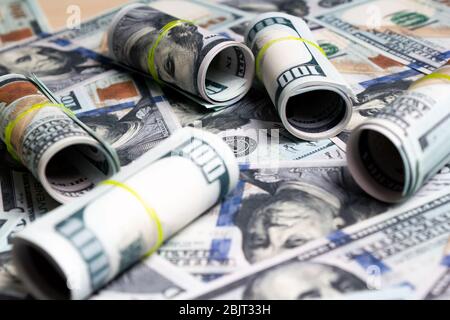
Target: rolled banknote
x=311, y=97
x=176, y=52
x=79, y=247
x=393, y=154
x=66, y=158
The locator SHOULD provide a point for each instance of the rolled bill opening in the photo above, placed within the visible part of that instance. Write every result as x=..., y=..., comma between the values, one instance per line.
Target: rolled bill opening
x=316, y=114
x=377, y=164
x=76, y=166
x=39, y=269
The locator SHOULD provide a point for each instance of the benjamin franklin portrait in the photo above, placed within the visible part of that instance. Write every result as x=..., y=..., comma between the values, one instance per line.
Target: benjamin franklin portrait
x=297, y=205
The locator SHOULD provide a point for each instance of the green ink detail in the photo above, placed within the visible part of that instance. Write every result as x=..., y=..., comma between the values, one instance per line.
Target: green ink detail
x=409, y=19
x=329, y=48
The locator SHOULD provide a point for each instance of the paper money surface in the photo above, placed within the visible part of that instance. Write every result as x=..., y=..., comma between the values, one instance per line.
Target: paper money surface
x=177, y=52
x=130, y=112
x=413, y=32
x=20, y=20
x=81, y=239
x=439, y=280
x=66, y=159
x=296, y=215
x=253, y=129
x=393, y=154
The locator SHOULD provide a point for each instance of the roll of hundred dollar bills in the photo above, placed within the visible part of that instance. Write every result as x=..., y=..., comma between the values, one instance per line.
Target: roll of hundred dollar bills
x=176, y=52
x=52, y=144
x=79, y=247
x=406, y=143
x=311, y=97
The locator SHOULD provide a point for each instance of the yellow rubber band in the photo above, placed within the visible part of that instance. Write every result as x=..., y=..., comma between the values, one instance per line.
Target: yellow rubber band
x=162, y=33
x=263, y=50
x=12, y=124
x=435, y=76
x=150, y=211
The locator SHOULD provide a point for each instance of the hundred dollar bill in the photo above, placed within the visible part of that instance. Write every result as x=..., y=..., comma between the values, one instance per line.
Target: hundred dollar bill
x=60, y=152
x=252, y=128
x=130, y=112
x=85, y=244
x=413, y=32
x=311, y=97
x=92, y=33
x=395, y=249
x=59, y=63
x=393, y=154
x=154, y=278
x=207, y=66
x=20, y=20
x=271, y=211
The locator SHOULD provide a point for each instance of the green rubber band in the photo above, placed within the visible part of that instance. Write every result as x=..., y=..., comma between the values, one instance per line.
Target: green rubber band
x=263, y=50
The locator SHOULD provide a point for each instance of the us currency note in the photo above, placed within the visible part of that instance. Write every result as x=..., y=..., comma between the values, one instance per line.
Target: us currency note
x=413, y=32
x=66, y=158
x=272, y=210
x=10, y=286
x=253, y=129
x=152, y=279
x=411, y=136
x=9, y=224
x=20, y=21
x=128, y=111
x=395, y=249
x=310, y=95
x=439, y=288
x=190, y=159
x=59, y=64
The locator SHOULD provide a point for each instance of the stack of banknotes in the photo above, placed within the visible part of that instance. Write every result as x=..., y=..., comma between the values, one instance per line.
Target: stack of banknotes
x=225, y=149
